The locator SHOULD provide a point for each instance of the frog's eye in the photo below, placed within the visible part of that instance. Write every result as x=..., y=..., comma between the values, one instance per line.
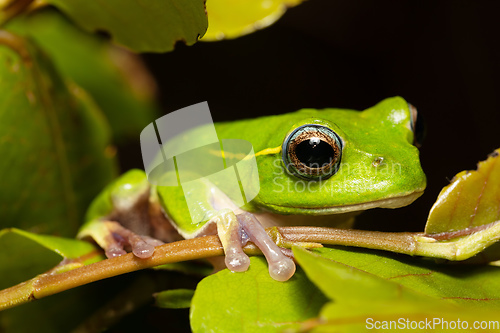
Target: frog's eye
x=312, y=152
x=417, y=126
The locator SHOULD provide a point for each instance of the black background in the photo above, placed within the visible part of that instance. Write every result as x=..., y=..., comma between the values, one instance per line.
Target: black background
x=442, y=56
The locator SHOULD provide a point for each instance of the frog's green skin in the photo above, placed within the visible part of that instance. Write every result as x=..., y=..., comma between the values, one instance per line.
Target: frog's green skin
x=379, y=167
x=382, y=131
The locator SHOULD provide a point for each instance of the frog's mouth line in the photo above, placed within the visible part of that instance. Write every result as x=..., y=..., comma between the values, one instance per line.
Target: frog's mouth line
x=394, y=202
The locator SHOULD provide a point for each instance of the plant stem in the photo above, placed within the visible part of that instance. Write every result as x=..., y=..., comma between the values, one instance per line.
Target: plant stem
x=401, y=242
x=470, y=242
x=17, y=44
x=49, y=284
x=456, y=246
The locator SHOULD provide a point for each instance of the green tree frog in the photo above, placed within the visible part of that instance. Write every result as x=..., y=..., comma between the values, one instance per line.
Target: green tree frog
x=316, y=167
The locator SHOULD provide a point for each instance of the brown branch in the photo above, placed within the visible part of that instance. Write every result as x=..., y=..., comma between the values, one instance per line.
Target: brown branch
x=401, y=242
x=17, y=44
x=210, y=246
x=49, y=284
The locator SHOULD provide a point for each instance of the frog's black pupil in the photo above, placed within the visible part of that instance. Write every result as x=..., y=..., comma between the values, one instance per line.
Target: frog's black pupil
x=314, y=153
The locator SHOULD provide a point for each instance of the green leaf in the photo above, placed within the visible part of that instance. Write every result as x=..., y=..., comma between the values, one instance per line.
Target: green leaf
x=472, y=199
x=116, y=79
x=54, y=144
x=231, y=19
x=363, y=299
x=66, y=248
x=471, y=285
x=253, y=301
x=175, y=299
x=22, y=259
x=145, y=26
x=350, y=284
x=23, y=255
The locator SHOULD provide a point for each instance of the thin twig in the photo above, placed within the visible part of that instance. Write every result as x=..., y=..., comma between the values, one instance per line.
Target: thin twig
x=17, y=44
x=49, y=284
x=210, y=246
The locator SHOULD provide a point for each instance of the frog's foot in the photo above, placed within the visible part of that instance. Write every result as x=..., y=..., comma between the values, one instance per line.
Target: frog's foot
x=236, y=230
x=114, y=239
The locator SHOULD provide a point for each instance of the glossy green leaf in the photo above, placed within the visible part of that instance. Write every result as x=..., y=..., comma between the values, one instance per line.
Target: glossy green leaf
x=65, y=247
x=231, y=19
x=351, y=284
x=115, y=78
x=145, y=26
x=470, y=285
x=362, y=300
x=472, y=199
x=22, y=259
x=175, y=299
x=23, y=255
x=54, y=144
x=253, y=301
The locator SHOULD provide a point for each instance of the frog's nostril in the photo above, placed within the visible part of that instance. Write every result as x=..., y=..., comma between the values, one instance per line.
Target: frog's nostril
x=378, y=161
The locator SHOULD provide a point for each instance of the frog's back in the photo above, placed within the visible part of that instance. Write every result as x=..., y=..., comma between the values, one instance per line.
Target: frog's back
x=269, y=131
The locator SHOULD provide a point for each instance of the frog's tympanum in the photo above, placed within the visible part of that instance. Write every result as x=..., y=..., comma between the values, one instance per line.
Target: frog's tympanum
x=316, y=167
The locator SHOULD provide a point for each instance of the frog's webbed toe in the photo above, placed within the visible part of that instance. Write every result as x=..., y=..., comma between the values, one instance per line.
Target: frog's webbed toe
x=115, y=240
x=233, y=239
x=281, y=267
x=140, y=246
x=236, y=230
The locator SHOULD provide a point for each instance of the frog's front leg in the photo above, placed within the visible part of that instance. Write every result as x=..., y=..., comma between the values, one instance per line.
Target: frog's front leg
x=235, y=231
x=281, y=268
x=235, y=227
x=233, y=239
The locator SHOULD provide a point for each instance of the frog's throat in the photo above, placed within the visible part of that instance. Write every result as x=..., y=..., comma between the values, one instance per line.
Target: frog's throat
x=393, y=202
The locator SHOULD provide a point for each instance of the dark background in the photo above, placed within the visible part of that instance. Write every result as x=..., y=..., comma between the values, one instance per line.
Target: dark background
x=442, y=56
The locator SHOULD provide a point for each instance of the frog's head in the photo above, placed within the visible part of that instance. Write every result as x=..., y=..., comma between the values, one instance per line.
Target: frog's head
x=334, y=161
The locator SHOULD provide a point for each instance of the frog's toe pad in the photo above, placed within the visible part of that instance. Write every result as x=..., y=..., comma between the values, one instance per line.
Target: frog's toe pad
x=237, y=262
x=119, y=239
x=282, y=270
x=115, y=251
x=143, y=250
x=142, y=246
